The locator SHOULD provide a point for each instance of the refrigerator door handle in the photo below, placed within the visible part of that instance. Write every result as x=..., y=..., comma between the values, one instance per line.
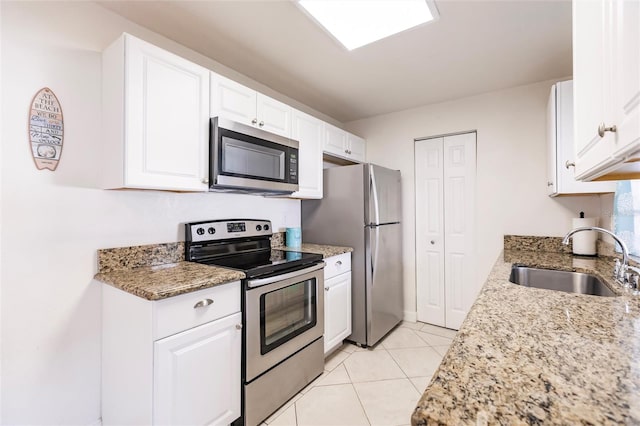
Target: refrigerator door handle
x=373, y=192
x=375, y=242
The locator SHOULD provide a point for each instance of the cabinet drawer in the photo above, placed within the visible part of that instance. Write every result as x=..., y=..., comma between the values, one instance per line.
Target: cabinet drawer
x=189, y=310
x=337, y=265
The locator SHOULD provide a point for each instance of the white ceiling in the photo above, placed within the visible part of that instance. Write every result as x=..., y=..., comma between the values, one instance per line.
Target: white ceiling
x=476, y=46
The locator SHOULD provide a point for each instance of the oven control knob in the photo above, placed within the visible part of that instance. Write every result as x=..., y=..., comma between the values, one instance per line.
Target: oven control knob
x=200, y=231
x=259, y=228
x=266, y=227
x=211, y=230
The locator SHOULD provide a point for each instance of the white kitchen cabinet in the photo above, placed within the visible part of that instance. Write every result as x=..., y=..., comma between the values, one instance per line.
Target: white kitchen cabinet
x=606, y=67
x=337, y=301
x=309, y=132
x=560, y=147
x=172, y=361
x=155, y=118
x=196, y=375
x=345, y=145
x=239, y=103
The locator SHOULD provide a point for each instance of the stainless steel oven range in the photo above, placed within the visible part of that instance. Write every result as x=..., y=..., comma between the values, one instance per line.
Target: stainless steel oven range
x=282, y=309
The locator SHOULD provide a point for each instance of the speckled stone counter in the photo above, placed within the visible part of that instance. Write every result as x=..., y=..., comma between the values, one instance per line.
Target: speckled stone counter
x=324, y=250
x=160, y=282
x=533, y=356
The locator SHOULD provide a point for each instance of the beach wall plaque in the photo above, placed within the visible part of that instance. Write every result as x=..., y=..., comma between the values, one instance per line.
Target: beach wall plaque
x=46, y=129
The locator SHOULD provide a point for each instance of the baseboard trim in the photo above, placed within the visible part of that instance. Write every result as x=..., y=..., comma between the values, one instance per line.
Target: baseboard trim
x=410, y=316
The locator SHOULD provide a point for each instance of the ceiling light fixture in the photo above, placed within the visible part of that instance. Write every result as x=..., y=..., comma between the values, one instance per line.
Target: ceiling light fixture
x=355, y=23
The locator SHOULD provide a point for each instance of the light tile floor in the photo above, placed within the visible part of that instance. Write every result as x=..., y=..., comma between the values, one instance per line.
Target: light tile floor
x=375, y=386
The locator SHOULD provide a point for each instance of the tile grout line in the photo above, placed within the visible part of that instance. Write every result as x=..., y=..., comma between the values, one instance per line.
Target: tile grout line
x=364, y=410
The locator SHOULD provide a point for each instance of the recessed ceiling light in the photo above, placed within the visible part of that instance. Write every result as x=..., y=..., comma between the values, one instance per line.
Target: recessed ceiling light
x=355, y=23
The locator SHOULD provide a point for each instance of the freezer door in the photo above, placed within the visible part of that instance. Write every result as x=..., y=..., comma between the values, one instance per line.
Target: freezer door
x=383, y=195
x=383, y=280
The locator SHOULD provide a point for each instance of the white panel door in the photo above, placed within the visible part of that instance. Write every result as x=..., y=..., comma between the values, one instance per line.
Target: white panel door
x=337, y=310
x=197, y=375
x=232, y=100
x=459, y=208
x=430, y=242
x=167, y=117
x=273, y=116
x=626, y=90
x=309, y=131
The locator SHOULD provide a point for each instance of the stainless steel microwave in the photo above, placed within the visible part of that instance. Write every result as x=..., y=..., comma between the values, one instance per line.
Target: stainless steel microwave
x=250, y=160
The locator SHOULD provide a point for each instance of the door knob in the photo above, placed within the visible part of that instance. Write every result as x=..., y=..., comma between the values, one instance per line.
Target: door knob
x=602, y=129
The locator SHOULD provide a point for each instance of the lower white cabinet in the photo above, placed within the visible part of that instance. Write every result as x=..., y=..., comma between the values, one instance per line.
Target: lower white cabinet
x=174, y=361
x=337, y=301
x=196, y=378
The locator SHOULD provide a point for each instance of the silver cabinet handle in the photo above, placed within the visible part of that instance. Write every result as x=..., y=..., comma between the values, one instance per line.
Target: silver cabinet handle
x=203, y=303
x=602, y=129
x=261, y=124
x=346, y=151
x=327, y=288
x=254, y=121
x=339, y=262
x=549, y=183
x=432, y=242
x=238, y=326
x=205, y=180
x=567, y=164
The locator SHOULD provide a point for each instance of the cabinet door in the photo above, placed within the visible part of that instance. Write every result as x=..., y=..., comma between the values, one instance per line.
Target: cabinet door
x=335, y=141
x=166, y=120
x=625, y=33
x=308, y=131
x=337, y=310
x=273, y=116
x=592, y=58
x=356, y=148
x=232, y=100
x=197, y=374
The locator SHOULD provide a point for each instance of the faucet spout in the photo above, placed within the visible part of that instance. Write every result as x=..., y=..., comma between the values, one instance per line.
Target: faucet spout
x=623, y=245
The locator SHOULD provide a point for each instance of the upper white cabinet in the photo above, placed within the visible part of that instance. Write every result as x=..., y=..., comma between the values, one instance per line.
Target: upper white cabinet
x=239, y=103
x=606, y=66
x=560, y=166
x=309, y=132
x=343, y=144
x=155, y=118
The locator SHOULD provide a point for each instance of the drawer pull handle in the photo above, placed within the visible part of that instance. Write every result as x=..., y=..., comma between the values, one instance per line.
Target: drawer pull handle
x=327, y=288
x=339, y=262
x=238, y=326
x=203, y=303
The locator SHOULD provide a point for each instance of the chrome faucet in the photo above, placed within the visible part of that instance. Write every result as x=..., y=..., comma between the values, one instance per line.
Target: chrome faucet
x=620, y=268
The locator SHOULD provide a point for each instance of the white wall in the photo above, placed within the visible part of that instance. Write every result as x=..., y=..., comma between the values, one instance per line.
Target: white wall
x=53, y=223
x=511, y=169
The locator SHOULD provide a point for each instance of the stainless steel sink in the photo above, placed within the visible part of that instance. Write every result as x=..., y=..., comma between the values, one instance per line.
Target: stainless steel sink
x=570, y=282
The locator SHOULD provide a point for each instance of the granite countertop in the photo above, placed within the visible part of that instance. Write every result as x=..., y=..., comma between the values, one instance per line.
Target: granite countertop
x=162, y=281
x=323, y=249
x=158, y=271
x=533, y=356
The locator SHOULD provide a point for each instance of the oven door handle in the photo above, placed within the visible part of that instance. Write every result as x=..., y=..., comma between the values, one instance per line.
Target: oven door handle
x=264, y=281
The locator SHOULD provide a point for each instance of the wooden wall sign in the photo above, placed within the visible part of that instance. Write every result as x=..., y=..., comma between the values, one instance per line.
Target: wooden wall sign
x=46, y=129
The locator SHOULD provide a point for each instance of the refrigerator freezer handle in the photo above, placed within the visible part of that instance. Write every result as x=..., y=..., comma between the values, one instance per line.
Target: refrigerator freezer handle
x=373, y=191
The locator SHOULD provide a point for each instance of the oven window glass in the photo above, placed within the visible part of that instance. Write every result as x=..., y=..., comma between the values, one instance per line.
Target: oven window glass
x=252, y=160
x=287, y=312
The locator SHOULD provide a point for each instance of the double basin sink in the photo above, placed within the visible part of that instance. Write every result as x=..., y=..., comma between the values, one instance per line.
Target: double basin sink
x=570, y=282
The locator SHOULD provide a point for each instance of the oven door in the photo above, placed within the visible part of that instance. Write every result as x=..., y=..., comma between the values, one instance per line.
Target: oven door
x=247, y=158
x=283, y=314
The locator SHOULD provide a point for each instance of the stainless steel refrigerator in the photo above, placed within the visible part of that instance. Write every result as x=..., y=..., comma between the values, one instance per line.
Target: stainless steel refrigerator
x=361, y=208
